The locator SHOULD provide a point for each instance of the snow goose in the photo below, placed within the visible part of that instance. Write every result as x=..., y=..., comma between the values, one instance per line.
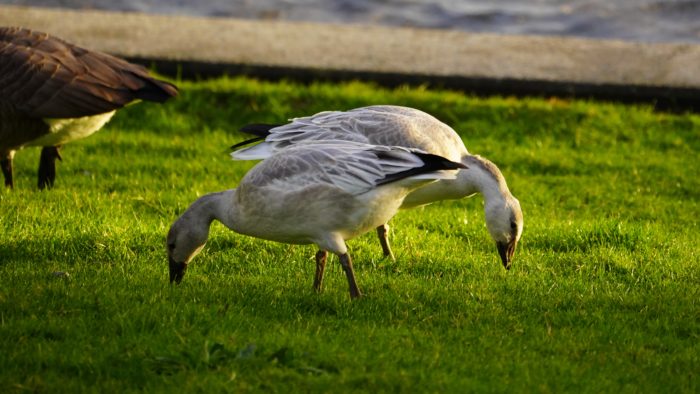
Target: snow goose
x=323, y=194
x=407, y=127
x=53, y=92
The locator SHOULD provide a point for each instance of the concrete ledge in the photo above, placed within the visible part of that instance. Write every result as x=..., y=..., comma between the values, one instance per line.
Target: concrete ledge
x=666, y=74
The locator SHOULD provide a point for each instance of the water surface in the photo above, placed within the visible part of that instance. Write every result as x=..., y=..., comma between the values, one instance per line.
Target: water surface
x=637, y=20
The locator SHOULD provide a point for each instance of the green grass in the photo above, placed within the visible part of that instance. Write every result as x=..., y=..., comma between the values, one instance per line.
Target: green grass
x=602, y=297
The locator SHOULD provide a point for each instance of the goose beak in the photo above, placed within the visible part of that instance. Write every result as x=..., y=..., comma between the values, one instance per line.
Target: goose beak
x=506, y=250
x=177, y=270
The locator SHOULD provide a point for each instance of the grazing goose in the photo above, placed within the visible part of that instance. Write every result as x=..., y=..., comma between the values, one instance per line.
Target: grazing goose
x=323, y=194
x=411, y=128
x=53, y=92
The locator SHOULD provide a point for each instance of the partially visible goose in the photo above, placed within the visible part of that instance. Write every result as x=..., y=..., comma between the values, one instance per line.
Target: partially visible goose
x=53, y=92
x=411, y=128
x=321, y=194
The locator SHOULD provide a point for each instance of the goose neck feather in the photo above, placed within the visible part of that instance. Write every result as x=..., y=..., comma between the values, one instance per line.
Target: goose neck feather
x=484, y=177
x=190, y=231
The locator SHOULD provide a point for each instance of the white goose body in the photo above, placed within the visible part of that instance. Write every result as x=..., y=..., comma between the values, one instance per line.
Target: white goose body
x=323, y=193
x=411, y=128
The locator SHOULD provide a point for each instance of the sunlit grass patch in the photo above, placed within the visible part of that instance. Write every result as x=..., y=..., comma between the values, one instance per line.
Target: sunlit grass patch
x=602, y=296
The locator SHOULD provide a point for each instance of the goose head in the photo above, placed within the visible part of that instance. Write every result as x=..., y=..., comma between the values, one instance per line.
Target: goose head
x=186, y=238
x=504, y=220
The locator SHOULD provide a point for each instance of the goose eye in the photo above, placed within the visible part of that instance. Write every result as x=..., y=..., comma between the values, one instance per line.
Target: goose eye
x=513, y=226
x=171, y=246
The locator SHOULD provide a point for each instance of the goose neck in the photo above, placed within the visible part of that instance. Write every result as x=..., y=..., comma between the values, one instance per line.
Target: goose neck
x=215, y=206
x=223, y=207
x=484, y=177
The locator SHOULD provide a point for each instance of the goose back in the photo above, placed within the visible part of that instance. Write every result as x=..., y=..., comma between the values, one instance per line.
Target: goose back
x=46, y=77
x=377, y=125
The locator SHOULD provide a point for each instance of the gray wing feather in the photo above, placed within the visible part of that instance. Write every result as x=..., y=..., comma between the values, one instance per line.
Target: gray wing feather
x=376, y=125
x=353, y=168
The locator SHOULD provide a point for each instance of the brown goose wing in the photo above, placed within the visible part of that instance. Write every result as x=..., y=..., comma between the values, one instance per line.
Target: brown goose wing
x=46, y=77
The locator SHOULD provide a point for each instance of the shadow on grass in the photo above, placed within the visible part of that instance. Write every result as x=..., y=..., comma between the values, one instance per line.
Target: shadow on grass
x=222, y=356
x=77, y=249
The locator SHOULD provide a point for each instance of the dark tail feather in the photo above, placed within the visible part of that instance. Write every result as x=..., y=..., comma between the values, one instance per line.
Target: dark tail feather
x=259, y=129
x=431, y=163
x=434, y=162
x=157, y=91
x=247, y=142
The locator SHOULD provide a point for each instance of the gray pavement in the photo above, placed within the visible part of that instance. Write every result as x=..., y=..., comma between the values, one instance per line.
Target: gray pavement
x=667, y=74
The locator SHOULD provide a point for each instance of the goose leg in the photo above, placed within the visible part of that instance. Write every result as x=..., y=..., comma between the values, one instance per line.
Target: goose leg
x=346, y=262
x=383, y=233
x=321, y=256
x=47, y=166
x=6, y=164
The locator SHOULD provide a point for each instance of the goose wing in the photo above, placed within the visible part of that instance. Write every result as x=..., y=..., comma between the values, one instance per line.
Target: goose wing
x=354, y=168
x=378, y=125
x=44, y=76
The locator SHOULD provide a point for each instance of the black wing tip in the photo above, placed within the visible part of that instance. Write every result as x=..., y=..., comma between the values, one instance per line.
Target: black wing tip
x=259, y=129
x=158, y=91
x=431, y=163
x=436, y=162
x=246, y=142
x=170, y=89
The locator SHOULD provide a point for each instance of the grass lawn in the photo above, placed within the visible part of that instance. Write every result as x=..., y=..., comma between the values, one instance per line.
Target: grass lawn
x=602, y=297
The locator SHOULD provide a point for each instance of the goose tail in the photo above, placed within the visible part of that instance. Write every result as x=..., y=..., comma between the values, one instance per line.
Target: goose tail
x=257, y=152
x=157, y=90
x=259, y=129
